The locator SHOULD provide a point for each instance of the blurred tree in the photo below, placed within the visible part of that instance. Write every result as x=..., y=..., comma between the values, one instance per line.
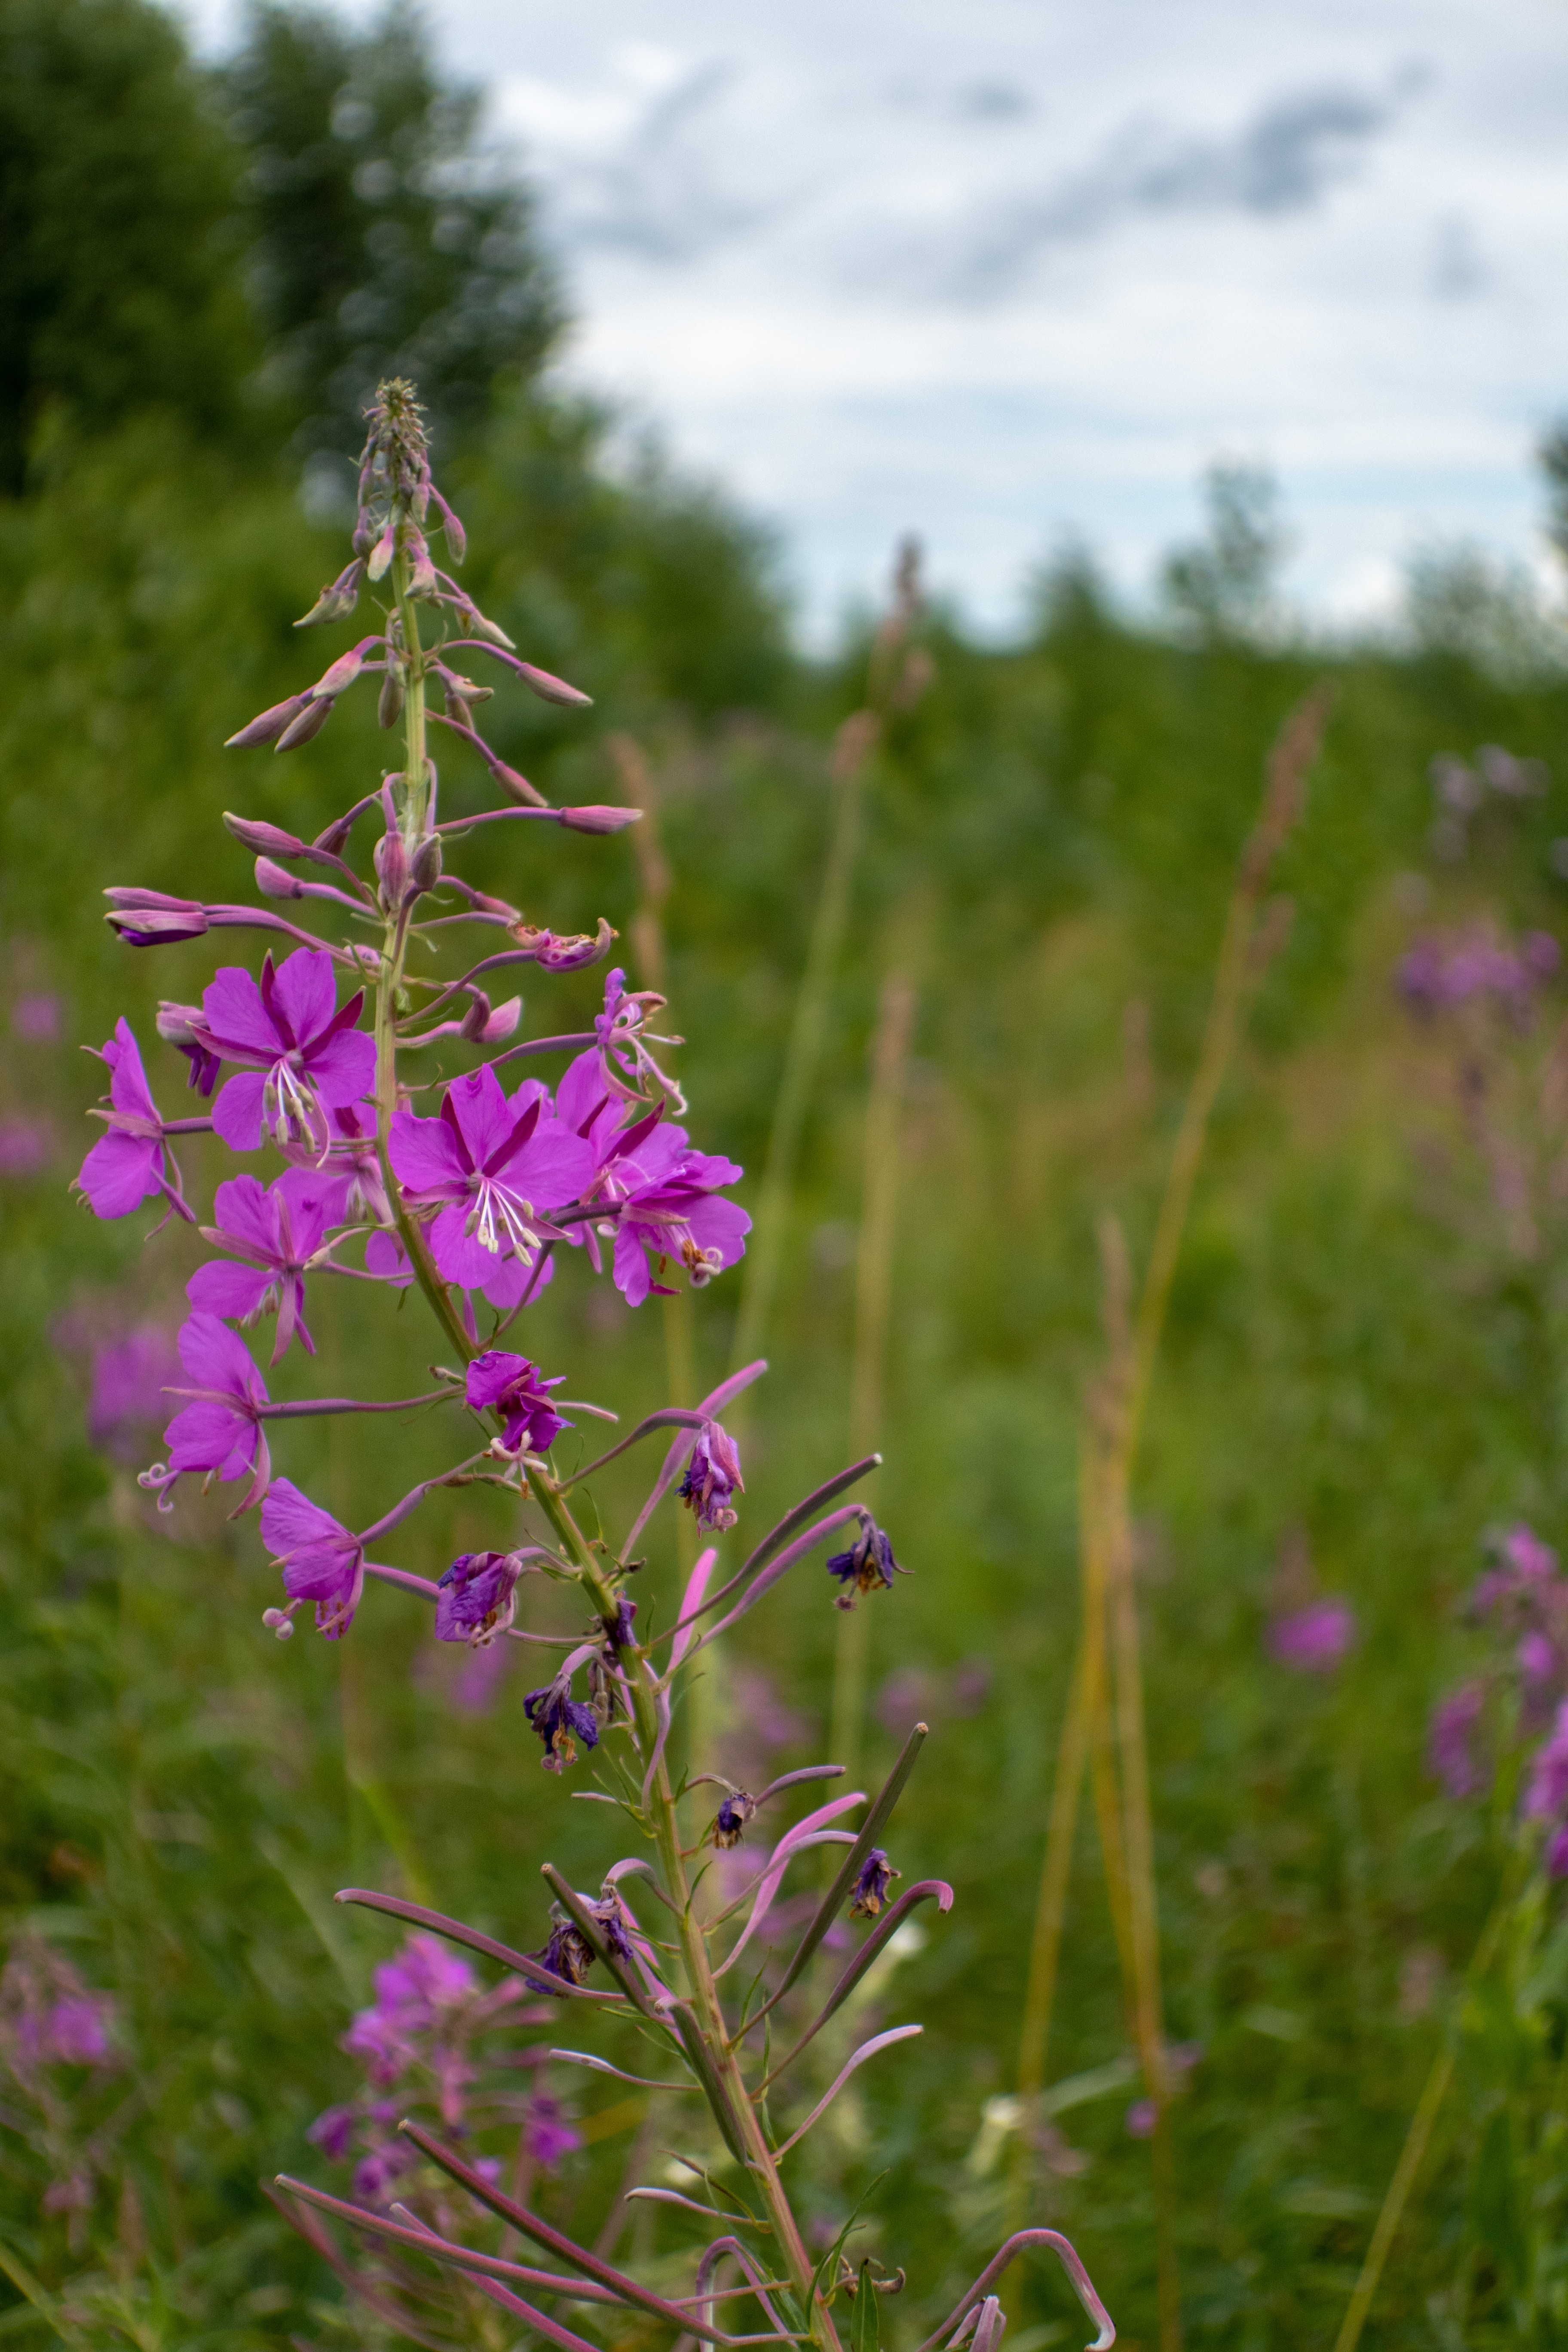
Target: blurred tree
x=117, y=288
x=1553, y=458
x=1226, y=586
x=381, y=242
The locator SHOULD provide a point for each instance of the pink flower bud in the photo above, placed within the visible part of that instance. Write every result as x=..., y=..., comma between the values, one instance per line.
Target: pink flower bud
x=268, y=726
x=457, y=538
x=550, y=689
x=417, y=549
x=382, y=553
x=176, y=1022
x=488, y=632
x=337, y=601
x=598, y=818
x=425, y=870
x=518, y=786
x=274, y=882
x=389, y=709
x=310, y=721
x=256, y=833
x=391, y=861
x=153, y=927
x=341, y=674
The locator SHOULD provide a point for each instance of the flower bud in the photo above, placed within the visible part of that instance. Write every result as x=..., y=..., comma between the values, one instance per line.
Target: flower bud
x=550, y=689
x=274, y=882
x=598, y=818
x=177, y=1022
x=310, y=722
x=157, y=927
x=518, y=786
x=382, y=553
x=416, y=546
x=256, y=833
x=268, y=726
x=341, y=674
x=337, y=601
x=425, y=869
x=389, y=709
x=488, y=632
x=457, y=538
x=391, y=862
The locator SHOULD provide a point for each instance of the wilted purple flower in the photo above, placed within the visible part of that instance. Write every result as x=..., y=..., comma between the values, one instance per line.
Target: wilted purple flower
x=730, y=1822
x=298, y=1053
x=1315, y=1639
x=220, y=1430
x=27, y=1145
x=279, y=1231
x=557, y=1717
x=491, y=1168
x=37, y=1018
x=321, y=1560
x=476, y=1598
x=547, y=2135
x=867, y=1566
x=568, y=1954
x=1449, y=1755
x=177, y=1026
x=712, y=1475
x=621, y=1634
x=125, y=1167
x=1546, y=1795
x=129, y=1376
x=877, y=1875
x=515, y=1388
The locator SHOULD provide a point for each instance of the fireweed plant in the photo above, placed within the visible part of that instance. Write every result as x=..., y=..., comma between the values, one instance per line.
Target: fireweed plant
x=471, y=1198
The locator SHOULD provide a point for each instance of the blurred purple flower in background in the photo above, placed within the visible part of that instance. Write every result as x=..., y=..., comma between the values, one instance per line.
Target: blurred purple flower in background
x=36, y=1019
x=1447, y=969
x=1450, y=1755
x=547, y=2135
x=129, y=1376
x=1314, y=1639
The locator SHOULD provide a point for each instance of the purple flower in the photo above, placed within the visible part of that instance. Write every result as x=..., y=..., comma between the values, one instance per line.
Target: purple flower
x=515, y=1388
x=333, y=2132
x=125, y=1167
x=660, y=1190
x=78, y=2030
x=177, y=1026
x=489, y=1168
x=712, y=1475
x=220, y=1431
x=730, y=1822
x=871, y=1888
x=426, y=1978
x=355, y=1193
x=568, y=1954
x=129, y=1376
x=279, y=1231
x=37, y=1019
x=1313, y=1640
x=320, y=1559
x=1547, y=1793
x=624, y=1039
x=477, y=1598
x=27, y=1145
x=1449, y=1755
x=298, y=1053
x=547, y=2135
x=867, y=1566
x=1141, y=2117
x=556, y=1716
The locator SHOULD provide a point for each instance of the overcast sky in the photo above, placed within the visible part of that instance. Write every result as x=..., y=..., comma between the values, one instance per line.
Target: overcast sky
x=1001, y=271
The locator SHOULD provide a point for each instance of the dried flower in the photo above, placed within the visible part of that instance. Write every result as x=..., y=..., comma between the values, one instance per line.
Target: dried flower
x=712, y=1475
x=871, y=1886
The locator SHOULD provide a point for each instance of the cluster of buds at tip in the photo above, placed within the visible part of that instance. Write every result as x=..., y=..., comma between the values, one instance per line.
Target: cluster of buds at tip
x=867, y=1566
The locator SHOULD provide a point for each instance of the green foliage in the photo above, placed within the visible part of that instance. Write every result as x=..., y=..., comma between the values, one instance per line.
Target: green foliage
x=118, y=290
x=380, y=245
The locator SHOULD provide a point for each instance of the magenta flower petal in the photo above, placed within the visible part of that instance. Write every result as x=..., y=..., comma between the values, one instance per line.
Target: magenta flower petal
x=425, y=1156
x=120, y=1173
x=509, y=1278
x=217, y=1358
x=246, y=1215
x=234, y=1011
x=458, y=1257
x=225, y=1288
x=632, y=1279
x=485, y=1118
x=345, y=1069
x=210, y=1437
x=237, y=1113
x=305, y=991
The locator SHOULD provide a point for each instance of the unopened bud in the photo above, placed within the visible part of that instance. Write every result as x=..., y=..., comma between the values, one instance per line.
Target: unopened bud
x=487, y=631
x=518, y=786
x=456, y=537
x=337, y=601
x=550, y=688
x=341, y=675
x=501, y=1023
x=310, y=723
x=177, y=1022
x=426, y=865
x=598, y=818
x=256, y=833
x=382, y=553
x=422, y=580
x=391, y=861
x=274, y=882
x=389, y=709
x=476, y=1018
x=157, y=927
x=267, y=728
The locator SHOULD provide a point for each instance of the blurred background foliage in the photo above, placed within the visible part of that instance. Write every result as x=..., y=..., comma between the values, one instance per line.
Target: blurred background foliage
x=201, y=275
